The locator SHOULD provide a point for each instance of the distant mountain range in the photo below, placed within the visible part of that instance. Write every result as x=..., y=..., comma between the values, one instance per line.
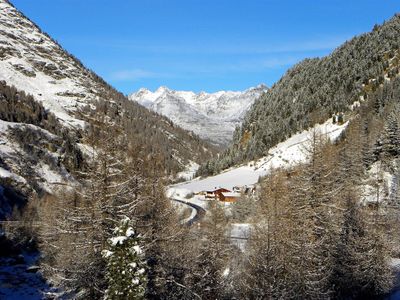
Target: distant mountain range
x=212, y=116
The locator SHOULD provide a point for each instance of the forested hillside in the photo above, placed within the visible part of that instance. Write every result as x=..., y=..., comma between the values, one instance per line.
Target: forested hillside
x=322, y=227
x=328, y=228
x=77, y=158
x=313, y=90
x=45, y=86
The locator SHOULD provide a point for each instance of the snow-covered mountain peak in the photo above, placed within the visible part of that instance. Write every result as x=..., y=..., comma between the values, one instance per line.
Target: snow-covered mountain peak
x=261, y=86
x=213, y=116
x=163, y=89
x=142, y=91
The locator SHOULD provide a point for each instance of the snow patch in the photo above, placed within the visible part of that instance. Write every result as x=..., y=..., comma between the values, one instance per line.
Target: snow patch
x=118, y=240
x=189, y=172
x=7, y=174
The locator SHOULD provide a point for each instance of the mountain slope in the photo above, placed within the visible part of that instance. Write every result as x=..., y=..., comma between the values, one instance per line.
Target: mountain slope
x=212, y=116
x=284, y=155
x=50, y=102
x=32, y=62
x=314, y=89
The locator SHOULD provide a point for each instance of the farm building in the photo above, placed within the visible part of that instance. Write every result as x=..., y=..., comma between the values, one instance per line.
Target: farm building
x=215, y=193
x=229, y=196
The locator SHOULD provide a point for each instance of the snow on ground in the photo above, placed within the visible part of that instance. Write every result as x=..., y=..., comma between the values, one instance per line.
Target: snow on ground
x=44, y=90
x=87, y=150
x=182, y=195
x=395, y=263
x=369, y=187
x=239, y=234
x=189, y=171
x=7, y=174
x=11, y=154
x=285, y=154
x=32, y=62
x=50, y=177
x=19, y=281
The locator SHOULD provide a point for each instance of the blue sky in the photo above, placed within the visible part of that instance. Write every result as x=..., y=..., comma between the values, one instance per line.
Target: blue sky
x=200, y=45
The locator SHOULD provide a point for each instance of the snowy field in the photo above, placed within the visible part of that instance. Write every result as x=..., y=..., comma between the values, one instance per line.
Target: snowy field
x=283, y=155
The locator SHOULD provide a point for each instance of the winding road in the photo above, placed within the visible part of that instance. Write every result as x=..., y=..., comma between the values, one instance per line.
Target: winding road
x=200, y=212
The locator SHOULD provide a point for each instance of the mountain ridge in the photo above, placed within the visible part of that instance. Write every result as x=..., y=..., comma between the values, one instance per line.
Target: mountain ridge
x=313, y=90
x=212, y=116
x=43, y=87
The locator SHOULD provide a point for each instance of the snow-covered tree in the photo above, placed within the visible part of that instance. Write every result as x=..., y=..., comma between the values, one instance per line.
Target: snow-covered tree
x=125, y=271
x=391, y=141
x=76, y=225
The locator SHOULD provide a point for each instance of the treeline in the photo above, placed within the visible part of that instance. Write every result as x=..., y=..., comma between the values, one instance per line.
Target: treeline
x=328, y=229
x=154, y=136
x=312, y=91
x=54, y=146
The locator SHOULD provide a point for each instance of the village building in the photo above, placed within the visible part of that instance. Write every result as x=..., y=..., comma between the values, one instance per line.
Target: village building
x=215, y=193
x=246, y=189
x=229, y=196
x=225, y=195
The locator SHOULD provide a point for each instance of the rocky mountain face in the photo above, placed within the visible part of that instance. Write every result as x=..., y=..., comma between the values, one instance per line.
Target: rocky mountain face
x=212, y=116
x=49, y=104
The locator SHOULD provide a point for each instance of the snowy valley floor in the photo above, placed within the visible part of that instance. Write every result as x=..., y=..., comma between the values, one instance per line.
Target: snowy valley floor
x=285, y=154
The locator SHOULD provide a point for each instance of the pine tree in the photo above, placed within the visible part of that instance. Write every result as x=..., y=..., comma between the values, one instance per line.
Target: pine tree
x=360, y=267
x=391, y=139
x=373, y=267
x=125, y=265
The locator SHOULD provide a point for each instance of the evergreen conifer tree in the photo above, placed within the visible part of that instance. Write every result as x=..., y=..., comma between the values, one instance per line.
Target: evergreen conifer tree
x=124, y=257
x=391, y=142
